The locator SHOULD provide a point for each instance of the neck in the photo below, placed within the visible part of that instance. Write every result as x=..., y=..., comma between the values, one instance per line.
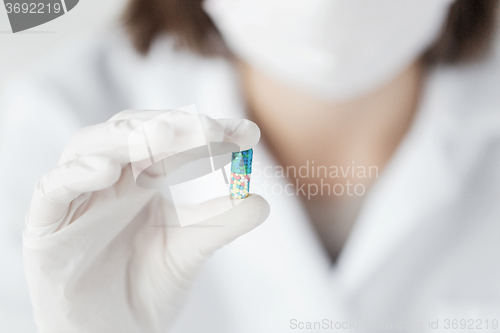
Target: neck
x=299, y=127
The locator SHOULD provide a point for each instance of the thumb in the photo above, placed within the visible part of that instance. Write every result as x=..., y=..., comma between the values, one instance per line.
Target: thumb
x=244, y=217
x=196, y=242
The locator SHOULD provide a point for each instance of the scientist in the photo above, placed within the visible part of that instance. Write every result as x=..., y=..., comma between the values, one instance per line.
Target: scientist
x=409, y=88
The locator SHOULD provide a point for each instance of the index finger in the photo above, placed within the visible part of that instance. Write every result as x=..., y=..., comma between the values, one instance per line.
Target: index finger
x=132, y=136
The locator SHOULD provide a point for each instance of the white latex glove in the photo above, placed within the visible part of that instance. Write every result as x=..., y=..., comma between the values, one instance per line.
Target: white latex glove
x=93, y=262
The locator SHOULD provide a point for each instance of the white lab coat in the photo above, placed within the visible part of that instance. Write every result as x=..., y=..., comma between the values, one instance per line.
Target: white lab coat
x=425, y=246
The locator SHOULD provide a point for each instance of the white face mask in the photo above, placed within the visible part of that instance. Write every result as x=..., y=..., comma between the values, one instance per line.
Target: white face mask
x=335, y=49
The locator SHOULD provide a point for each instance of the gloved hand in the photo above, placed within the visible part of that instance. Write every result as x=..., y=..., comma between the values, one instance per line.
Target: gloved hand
x=93, y=262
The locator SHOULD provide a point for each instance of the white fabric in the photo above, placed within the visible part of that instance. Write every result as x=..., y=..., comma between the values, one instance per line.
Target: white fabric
x=425, y=245
x=335, y=49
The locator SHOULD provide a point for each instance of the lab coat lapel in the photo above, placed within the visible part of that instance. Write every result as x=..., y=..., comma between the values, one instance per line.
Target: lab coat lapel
x=417, y=181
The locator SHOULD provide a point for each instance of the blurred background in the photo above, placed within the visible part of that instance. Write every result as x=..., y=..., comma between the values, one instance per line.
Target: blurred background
x=26, y=47
x=18, y=52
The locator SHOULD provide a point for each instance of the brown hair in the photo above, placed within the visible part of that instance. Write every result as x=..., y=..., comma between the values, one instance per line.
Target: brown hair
x=466, y=34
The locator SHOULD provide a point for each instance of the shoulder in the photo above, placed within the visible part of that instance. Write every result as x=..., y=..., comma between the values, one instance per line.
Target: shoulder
x=468, y=93
x=465, y=100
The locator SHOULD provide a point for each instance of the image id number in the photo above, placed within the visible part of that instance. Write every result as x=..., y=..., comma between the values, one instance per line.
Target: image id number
x=32, y=8
x=476, y=324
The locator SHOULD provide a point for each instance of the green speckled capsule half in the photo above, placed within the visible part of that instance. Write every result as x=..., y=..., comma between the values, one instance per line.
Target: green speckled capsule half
x=241, y=168
x=241, y=162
